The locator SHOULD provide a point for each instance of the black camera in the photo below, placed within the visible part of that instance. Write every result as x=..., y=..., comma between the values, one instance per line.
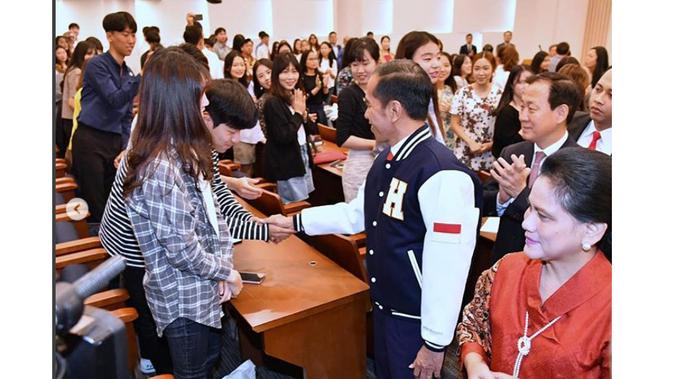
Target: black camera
x=90, y=342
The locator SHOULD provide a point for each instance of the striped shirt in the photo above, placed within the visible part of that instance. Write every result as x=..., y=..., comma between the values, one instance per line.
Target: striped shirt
x=116, y=233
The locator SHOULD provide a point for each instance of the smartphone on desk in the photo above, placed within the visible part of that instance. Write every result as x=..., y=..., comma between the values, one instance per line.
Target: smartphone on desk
x=252, y=277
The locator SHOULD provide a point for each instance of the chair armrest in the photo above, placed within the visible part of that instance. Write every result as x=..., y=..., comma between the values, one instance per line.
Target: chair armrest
x=61, y=208
x=295, y=207
x=360, y=239
x=81, y=244
x=126, y=314
x=110, y=299
x=86, y=256
x=268, y=186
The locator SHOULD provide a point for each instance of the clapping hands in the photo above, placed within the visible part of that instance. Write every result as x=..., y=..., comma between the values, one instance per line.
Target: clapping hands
x=511, y=178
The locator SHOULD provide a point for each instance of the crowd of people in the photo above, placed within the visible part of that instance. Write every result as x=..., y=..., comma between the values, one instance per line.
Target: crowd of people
x=435, y=141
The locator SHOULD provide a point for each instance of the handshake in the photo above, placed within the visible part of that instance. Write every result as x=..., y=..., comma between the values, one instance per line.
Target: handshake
x=280, y=227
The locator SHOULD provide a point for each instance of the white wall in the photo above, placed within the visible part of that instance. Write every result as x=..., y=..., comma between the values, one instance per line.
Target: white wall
x=533, y=22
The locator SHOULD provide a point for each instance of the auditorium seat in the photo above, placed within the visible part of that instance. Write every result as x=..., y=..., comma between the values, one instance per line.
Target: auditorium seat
x=269, y=203
x=66, y=186
x=327, y=133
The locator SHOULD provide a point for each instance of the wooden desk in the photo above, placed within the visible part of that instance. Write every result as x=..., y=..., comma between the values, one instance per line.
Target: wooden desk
x=308, y=311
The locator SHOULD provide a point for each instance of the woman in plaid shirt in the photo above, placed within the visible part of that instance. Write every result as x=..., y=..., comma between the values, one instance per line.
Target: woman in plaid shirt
x=175, y=216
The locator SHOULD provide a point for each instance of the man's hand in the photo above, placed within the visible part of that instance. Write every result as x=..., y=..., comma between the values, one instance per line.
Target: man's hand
x=245, y=187
x=511, y=178
x=119, y=158
x=279, y=233
x=428, y=364
x=280, y=221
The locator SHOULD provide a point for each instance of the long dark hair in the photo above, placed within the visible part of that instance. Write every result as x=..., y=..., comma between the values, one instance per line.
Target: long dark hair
x=304, y=58
x=508, y=91
x=582, y=181
x=294, y=46
x=602, y=64
x=281, y=62
x=450, y=80
x=458, y=60
x=170, y=117
x=77, y=59
x=256, y=86
x=315, y=46
x=281, y=44
x=537, y=62
x=330, y=56
x=406, y=49
x=229, y=62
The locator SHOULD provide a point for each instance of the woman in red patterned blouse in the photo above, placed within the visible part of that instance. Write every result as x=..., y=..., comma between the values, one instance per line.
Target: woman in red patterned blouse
x=546, y=312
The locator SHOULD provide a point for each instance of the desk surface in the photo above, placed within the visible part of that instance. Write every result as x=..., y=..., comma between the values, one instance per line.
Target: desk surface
x=329, y=146
x=299, y=282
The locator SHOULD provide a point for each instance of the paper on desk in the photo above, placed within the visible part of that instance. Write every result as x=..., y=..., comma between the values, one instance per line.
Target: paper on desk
x=491, y=225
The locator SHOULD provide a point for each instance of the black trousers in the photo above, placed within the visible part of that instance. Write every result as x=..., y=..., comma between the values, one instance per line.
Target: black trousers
x=151, y=346
x=62, y=137
x=93, y=154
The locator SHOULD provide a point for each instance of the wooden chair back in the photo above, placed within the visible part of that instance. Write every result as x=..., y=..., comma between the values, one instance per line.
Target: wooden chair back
x=327, y=133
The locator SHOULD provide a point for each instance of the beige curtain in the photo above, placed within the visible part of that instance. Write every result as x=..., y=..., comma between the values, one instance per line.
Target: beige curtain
x=597, y=25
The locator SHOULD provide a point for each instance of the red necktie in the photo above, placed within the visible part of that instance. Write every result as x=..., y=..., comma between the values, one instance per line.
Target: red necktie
x=535, y=171
x=594, y=139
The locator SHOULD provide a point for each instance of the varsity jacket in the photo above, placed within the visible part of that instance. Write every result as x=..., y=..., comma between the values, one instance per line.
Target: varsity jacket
x=420, y=208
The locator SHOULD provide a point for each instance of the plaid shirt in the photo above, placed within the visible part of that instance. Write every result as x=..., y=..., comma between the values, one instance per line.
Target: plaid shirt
x=184, y=257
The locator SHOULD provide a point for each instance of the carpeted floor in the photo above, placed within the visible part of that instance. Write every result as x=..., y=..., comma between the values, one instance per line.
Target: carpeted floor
x=231, y=358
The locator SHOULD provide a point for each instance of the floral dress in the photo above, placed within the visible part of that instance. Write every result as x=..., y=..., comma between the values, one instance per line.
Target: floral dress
x=445, y=95
x=477, y=120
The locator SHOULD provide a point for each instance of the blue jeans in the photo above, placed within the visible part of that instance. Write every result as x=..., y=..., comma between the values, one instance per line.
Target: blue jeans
x=194, y=348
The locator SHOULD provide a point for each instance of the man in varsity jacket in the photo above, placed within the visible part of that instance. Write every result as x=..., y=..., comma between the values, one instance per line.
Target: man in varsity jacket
x=420, y=208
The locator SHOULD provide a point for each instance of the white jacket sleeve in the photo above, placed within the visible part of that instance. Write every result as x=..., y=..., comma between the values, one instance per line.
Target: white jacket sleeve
x=447, y=204
x=345, y=218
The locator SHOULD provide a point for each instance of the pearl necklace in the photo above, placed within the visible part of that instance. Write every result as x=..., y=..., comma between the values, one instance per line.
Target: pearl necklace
x=524, y=343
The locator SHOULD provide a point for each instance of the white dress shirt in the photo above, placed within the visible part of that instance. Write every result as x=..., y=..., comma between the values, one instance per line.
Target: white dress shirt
x=604, y=144
x=215, y=65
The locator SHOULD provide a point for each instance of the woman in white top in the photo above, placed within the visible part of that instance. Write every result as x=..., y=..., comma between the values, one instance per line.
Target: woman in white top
x=328, y=64
x=423, y=48
x=473, y=115
x=508, y=57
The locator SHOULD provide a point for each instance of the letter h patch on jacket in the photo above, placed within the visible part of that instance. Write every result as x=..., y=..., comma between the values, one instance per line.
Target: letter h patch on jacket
x=393, y=205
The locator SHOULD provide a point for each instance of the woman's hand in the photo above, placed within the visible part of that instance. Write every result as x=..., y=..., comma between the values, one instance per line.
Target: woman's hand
x=299, y=101
x=476, y=367
x=475, y=148
x=234, y=283
x=223, y=291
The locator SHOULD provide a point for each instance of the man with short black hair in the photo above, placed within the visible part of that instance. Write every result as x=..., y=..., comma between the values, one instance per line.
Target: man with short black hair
x=221, y=47
x=468, y=48
x=194, y=35
x=153, y=39
x=562, y=51
x=507, y=38
x=104, y=122
x=593, y=130
x=420, y=208
x=336, y=48
x=549, y=103
x=262, y=49
x=73, y=28
x=370, y=35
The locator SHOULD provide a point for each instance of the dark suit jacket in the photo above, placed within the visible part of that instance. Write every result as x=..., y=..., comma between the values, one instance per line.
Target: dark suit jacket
x=510, y=236
x=465, y=51
x=577, y=125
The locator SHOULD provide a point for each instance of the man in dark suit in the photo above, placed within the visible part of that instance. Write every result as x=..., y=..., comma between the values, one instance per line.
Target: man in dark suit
x=550, y=101
x=468, y=49
x=336, y=48
x=507, y=38
x=593, y=130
